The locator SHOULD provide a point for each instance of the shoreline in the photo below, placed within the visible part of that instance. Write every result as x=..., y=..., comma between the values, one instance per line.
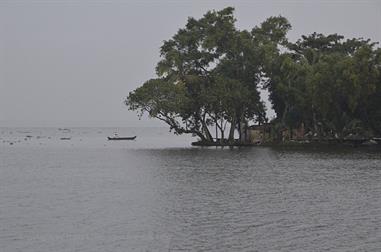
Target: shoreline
x=353, y=143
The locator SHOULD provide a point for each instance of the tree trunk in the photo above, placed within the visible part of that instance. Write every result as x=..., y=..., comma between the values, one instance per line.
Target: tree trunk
x=206, y=131
x=243, y=130
x=232, y=129
x=216, y=130
x=314, y=123
x=285, y=111
x=222, y=132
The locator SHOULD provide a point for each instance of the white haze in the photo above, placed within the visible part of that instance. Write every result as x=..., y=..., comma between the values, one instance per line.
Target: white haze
x=71, y=63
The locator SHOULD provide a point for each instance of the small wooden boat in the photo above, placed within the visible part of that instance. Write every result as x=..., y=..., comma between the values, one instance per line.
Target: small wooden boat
x=121, y=138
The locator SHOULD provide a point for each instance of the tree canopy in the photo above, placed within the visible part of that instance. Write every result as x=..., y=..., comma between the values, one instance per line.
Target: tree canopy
x=328, y=83
x=210, y=75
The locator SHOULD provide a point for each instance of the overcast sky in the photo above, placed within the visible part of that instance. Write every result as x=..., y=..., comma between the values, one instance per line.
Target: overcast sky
x=71, y=63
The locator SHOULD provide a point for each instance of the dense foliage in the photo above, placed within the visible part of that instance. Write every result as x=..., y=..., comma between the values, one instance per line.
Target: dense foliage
x=211, y=72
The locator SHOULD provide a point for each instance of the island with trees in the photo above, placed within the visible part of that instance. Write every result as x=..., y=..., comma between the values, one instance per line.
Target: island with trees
x=323, y=88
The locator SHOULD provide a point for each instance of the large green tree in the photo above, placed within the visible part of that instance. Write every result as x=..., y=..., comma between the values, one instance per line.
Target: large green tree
x=218, y=68
x=326, y=82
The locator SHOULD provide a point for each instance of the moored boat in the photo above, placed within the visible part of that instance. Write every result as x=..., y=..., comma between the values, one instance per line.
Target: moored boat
x=121, y=138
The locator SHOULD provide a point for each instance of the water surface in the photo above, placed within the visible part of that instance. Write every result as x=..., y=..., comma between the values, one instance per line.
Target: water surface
x=159, y=194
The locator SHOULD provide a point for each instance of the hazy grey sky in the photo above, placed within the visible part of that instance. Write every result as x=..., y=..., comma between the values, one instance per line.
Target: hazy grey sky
x=71, y=63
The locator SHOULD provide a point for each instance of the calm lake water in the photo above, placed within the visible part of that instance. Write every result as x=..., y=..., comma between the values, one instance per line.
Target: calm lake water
x=158, y=193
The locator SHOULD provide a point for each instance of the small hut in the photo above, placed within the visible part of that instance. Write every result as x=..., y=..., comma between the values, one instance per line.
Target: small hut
x=258, y=134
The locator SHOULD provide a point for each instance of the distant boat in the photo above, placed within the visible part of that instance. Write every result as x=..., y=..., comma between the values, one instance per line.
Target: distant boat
x=64, y=129
x=65, y=138
x=121, y=138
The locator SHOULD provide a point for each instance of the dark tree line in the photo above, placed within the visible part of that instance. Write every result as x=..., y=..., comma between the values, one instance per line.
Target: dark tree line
x=210, y=74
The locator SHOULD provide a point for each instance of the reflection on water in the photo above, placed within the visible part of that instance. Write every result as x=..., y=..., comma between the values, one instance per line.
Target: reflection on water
x=159, y=194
